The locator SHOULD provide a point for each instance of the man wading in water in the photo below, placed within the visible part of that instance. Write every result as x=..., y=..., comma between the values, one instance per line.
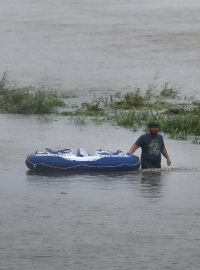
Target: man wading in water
x=152, y=145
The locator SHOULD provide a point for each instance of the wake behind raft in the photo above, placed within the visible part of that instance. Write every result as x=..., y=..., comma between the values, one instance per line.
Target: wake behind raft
x=67, y=160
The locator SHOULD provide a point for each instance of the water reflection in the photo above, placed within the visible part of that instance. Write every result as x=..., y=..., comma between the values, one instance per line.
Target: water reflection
x=107, y=175
x=145, y=183
x=151, y=183
x=101, y=179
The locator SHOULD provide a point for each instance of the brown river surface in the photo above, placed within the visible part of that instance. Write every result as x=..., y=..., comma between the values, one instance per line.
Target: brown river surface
x=101, y=45
x=139, y=220
x=128, y=221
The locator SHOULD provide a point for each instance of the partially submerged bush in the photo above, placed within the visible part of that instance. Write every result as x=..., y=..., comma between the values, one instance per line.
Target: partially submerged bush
x=131, y=100
x=185, y=124
x=168, y=91
x=180, y=119
x=91, y=109
x=28, y=100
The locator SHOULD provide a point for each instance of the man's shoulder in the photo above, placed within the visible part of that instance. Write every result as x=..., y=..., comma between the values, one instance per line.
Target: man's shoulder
x=159, y=135
x=145, y=135
x=142, y=138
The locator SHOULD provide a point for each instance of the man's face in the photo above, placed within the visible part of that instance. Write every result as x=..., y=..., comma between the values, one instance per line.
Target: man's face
x=153, y=130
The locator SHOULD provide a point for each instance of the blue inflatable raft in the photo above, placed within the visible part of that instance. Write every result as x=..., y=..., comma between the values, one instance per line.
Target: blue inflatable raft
x=67, y=160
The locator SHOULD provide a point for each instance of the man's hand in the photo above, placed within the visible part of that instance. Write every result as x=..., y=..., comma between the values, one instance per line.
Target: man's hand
x=168, y=162
x=133, y=148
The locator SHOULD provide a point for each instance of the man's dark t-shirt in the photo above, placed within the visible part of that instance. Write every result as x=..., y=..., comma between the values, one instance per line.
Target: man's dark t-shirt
x=151, y=150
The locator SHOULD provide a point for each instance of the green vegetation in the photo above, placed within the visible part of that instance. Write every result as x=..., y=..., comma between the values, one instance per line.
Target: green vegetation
x=28, y=100
x=178, y=117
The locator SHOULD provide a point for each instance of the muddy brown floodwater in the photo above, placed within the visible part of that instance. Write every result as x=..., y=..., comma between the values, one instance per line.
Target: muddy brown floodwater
x=138, y=220
x=101, y=45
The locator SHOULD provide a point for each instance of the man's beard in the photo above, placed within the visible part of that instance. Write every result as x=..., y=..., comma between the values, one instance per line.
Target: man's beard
x=154, y=133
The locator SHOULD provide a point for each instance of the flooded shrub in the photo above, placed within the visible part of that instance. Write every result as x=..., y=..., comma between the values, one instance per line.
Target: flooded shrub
x=132, y=119
x=180, y=126
x=29, y=101
x=175, y=110
x=80, y=120
x=196, y=140
x=3, y=83
x=179, y=119
x=131, y=100
x=91, y=109
x=196, y=107
x=169, y=92
x=134, y=110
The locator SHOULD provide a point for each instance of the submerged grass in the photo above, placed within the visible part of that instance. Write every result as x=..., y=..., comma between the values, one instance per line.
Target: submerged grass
x=178, y=117
x=28, y=100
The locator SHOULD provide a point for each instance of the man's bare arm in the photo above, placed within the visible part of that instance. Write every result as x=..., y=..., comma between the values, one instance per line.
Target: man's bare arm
x=165, y=154
x=133, y=148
